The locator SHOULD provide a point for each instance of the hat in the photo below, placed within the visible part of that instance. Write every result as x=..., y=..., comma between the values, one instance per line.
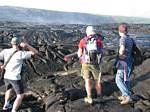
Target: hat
x=15, y=41
x=90, y=30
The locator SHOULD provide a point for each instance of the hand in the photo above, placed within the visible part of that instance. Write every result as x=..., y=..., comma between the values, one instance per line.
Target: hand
x=66, y=58
x=23, y=45
x=1, y=66
x=122, y=56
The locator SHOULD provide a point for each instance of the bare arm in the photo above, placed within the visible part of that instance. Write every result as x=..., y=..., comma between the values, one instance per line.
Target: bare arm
x=30, y=48
x=79, y=52
x=121, y=50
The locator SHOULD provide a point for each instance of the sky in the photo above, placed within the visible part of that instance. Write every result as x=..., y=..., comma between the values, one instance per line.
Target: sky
x=133, y=8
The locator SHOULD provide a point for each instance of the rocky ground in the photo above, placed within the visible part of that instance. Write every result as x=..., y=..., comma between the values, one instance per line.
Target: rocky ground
x=54, y=85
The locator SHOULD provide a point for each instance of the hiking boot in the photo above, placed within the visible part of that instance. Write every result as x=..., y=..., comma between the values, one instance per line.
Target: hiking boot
x=126, y=100
x=7, y=107
x=121, y=98
x=88, y=100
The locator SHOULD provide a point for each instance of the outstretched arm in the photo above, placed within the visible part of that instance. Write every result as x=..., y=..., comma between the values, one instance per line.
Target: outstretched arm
x=29, y=47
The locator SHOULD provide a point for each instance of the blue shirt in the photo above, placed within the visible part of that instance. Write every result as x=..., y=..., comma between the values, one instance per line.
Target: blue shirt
x=128, y=43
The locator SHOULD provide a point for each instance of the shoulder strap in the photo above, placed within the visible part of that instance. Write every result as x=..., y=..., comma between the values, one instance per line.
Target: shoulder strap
x=87, y=39
x=9, y=58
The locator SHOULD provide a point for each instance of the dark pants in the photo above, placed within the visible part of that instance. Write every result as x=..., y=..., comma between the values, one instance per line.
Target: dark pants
x=17, y=85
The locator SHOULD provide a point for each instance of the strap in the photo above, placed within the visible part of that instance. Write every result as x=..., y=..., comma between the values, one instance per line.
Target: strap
x=9, y=59
x=86, y=38
x=133, y=42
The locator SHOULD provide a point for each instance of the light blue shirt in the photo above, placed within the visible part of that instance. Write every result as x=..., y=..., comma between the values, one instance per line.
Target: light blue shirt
x=14, y=66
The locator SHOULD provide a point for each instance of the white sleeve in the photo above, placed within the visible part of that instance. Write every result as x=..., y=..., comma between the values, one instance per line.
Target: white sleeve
x=26, y=55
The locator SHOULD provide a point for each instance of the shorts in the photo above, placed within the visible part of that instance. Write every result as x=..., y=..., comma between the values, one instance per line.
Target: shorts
x=17, y=85
x=91, y=71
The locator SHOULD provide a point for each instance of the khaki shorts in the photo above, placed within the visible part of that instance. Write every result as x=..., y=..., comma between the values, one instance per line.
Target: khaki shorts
x=91, y=71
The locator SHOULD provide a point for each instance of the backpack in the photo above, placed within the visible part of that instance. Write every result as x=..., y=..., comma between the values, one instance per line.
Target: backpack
x=92, y=50
x=137, y=55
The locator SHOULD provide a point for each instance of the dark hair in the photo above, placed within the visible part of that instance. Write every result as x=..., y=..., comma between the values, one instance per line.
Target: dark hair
x=123, y=27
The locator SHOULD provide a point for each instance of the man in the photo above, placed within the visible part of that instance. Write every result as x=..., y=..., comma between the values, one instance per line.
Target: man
x=90, y=61
x=12, y=76
x=124, y=65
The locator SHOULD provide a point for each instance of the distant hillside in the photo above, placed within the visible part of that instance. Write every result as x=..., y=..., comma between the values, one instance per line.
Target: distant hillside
x=18, y=14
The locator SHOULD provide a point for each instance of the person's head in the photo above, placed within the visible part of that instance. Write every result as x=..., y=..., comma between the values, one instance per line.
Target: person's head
x=122, y=28
x=90, y=30
x=15, y=41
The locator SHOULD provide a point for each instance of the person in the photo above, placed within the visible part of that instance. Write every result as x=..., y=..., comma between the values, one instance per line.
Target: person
x=12, y=77
x=90, y=53
x=124, y=64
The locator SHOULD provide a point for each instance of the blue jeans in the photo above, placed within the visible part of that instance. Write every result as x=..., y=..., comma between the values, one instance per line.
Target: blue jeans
x=130, y=69
x=125, y=86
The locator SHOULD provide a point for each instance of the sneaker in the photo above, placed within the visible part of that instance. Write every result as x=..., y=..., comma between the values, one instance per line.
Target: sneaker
x=126, y=100
x=88, y=100
x=7, y=107
x=121, y=98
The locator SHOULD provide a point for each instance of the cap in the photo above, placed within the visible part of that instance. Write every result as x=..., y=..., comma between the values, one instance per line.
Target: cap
x=90, y=30
x=15, y=41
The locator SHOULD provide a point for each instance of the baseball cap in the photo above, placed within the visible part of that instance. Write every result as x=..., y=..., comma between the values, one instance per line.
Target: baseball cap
x=15, y=41
x=90, y=30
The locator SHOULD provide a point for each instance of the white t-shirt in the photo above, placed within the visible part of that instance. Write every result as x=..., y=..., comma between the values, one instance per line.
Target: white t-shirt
x=14, y=66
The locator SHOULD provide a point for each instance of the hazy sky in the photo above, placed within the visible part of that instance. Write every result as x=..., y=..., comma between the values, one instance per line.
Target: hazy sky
x=139, y=8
